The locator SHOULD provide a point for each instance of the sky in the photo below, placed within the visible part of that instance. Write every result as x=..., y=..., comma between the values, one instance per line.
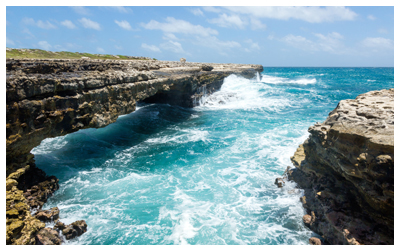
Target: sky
x=331, y=36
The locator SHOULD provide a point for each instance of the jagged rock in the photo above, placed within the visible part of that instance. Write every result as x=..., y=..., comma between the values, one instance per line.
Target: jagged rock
x=48, y=215
x=346, y=168
x=314, y=241
x=74, y=229
x=47, y=236
x=279, y=182
x=53, y=97
x=59, y=226
x=207, y=67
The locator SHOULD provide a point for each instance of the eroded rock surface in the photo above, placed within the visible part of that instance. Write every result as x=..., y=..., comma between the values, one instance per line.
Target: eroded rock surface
x=53, y=97
x=346, y=168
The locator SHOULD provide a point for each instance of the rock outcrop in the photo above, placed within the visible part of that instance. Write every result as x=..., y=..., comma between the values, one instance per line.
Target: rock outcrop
x=53, y=97
x=346, y=168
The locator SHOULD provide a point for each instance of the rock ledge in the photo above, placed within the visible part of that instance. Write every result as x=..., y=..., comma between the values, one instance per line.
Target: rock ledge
x=346, y=168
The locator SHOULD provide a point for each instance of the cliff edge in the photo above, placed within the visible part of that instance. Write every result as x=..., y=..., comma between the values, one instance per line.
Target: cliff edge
x=346, y=168
x=53, y=97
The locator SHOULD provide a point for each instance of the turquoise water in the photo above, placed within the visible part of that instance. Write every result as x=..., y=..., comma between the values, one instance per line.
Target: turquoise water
x=170, y=175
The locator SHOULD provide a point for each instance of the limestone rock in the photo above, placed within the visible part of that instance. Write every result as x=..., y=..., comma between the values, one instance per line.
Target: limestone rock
x=46, y=98
x=207, y=67
x=48, y=215
x=47, y=236
x=75, y=229
x=279, y=182
x=346, y=168
x=314, y=241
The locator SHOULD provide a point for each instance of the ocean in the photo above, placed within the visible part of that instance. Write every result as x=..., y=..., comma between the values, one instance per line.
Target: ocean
x=170, y=175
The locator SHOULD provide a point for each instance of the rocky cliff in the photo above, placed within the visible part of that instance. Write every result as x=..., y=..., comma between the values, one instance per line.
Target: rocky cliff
x=346, y=168
x=48, y=98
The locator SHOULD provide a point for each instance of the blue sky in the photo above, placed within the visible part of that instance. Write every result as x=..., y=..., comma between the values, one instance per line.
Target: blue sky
x=271, y=36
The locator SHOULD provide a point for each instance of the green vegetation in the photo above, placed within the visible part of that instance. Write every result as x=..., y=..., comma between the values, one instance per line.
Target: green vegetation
x=43, y=54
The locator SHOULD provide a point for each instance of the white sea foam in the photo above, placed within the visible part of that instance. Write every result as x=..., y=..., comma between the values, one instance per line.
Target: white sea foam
x=184, y=136
x=48, y=145
x=282, y=80
x=241, y=93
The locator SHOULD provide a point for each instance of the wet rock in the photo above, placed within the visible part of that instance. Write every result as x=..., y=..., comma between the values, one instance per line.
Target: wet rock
x=279, y=182
x=346, y=168
x=59, y=226
x=207, y=67
x=75, y=229
x=48, y=215
x=47, y=236
x=46, y=98
x=314, y=241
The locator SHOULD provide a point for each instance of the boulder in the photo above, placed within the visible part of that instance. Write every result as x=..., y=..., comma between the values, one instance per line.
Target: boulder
x=48, y=215
x=314, y=241
x=47, y=236
x=205, y=67
x=75, y=229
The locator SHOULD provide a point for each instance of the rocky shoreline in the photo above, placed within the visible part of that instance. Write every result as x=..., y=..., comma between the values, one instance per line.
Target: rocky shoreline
x=346, y=168
x=53, y=97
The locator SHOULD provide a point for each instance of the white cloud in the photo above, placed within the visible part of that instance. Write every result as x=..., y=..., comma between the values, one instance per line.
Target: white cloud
x=257, y=24
x=100, y=50
x=28, y=21
x=299, y=42
x=253, y=45
x=197, y=12
x=228, y=21
x=29, y=34
x=43, y=25
x=309, y=14
x=120, y=9
x=371, y=17
x=44, y=45
x=123, y=24
x=212, y=9
x=215, y=43
x=378, y=43
x=81, y=10
x=179, y=26
x=151, y=47
x=9, y=41
x=68, y=24
x=331, y=43
x=118, y=47
x=173, y=46
x=89, y=24
x=169, y=36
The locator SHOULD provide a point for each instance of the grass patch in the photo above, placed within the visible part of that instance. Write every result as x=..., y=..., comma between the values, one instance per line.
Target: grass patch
x=44, y=54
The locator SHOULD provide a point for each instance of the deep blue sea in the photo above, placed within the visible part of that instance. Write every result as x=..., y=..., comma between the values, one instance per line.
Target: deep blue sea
x=170, y=175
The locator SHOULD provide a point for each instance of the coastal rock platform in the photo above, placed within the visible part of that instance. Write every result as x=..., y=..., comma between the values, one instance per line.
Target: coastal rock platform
x=346, y=168
x=53, y=97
